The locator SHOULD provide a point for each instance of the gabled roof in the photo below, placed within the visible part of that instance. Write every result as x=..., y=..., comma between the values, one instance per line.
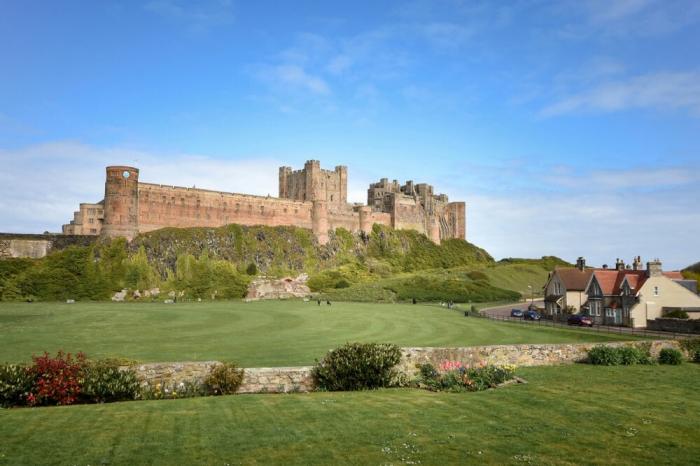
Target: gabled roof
x=607, y=279
x=573, y=278
x=635, y=279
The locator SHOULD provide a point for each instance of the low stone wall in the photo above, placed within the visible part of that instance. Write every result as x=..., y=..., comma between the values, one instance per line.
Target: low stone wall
x=298, y=379
x=675, y=325
x=255, y=380
x=519, y=355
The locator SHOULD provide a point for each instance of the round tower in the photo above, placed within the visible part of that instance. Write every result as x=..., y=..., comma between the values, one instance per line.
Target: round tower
x=319, y=221
x=365, y=219
x=121, y=210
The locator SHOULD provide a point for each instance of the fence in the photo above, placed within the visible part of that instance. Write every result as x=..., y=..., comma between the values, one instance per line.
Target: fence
x=605, y=329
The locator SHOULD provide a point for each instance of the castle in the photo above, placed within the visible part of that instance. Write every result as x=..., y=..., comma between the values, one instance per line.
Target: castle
x=310, y=198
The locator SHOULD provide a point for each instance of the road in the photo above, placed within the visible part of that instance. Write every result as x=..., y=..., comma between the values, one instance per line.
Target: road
x=504, y=311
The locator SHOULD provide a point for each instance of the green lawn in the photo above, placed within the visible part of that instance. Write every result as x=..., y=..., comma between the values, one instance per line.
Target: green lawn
x=566, y=415
x=270, y=333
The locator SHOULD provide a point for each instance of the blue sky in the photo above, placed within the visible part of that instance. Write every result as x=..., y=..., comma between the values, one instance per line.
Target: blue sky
x=569, y=128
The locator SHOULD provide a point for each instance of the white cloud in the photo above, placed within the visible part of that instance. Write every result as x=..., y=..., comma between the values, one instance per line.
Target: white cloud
x=663, y=90
x=43, y=184
x=289, y=76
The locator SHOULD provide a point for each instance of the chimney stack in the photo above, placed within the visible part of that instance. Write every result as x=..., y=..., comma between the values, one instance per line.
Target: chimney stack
x=619, y=264
x=581, y=263
x=637, y=263
x=654, y=268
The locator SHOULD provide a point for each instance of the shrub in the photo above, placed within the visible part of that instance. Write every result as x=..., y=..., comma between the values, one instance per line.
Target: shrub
x=677, y=314
x=696, y=356
x=342, y=283
x=252, y=269
x=455, y=377
x=224, y=379
x=630, y=355
x=691, y=345
x=104, y=382
x=670, y=356
x=16, y=382
x=357, y=366
x=57, y=379
x=604, y=356
x=477, y=275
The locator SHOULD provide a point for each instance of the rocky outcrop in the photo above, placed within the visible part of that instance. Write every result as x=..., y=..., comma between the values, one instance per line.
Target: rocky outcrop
x=284, y=288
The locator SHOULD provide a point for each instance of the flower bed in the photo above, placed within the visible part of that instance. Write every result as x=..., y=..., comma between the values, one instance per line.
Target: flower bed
x=454, y=376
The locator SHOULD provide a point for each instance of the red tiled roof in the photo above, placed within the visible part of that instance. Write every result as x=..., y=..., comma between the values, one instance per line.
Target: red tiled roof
x=635, y=279
x=573, y=278
x=675, y=275
x=607, y=279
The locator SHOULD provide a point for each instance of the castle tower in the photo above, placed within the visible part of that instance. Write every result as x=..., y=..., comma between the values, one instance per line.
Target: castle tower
x=319, y=221
x=121, y=209
x=434, y=230
x=312, y=171
x=285, y=175
x=342, y=172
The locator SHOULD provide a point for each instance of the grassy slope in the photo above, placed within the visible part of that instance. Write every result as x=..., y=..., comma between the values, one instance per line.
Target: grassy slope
x=565, y=415
x=271, y=333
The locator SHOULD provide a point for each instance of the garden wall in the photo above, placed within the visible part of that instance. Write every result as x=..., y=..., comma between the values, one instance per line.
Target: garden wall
x=298, y=379
x=675, y=325
x=255, y=380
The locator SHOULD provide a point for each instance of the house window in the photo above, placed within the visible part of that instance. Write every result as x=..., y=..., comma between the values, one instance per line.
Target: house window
x=656, y=291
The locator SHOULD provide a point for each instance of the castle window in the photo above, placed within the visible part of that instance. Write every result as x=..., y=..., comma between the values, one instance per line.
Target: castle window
x=656, y=291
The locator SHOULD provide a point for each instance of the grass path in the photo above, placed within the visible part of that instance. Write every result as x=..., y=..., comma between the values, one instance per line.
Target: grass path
x=565, y=415
x=271, y=333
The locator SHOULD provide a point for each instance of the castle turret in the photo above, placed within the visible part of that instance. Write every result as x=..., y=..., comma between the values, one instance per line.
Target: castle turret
x=121, y=208
x=285, y=174
x=319, y=221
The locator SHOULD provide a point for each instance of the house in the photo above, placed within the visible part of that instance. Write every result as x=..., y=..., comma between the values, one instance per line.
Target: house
x=565, y=291
x=625, y=296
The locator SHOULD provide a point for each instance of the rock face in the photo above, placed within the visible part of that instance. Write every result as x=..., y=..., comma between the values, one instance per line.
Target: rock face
x=284, y=288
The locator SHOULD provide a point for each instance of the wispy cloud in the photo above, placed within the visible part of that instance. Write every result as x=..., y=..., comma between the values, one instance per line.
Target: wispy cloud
x=663, y=90
x=295, y=77
x=197, y=16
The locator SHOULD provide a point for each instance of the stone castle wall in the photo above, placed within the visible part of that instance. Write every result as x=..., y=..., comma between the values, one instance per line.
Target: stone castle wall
x=14, y=245
x=298, y=379
x=170, y=206
x=310, y=198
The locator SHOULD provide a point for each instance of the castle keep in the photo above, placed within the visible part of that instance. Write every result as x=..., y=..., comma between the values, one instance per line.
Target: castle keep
x=310, y=198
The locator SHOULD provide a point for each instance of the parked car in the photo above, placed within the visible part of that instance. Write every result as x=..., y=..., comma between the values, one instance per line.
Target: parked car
x=580, y=320
x=531, y=315
x=516, y=312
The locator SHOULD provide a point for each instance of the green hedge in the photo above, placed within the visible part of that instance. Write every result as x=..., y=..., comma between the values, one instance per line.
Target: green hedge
x=357, y=366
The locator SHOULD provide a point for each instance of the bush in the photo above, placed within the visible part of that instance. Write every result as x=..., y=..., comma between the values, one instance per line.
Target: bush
x=630, y=355
x=252, y=269
x=57, y=379
x=224, y=379
x=170, y=390
x=677, y=314
x=16, y=382
x=604, y=356
x=455, y=377
x=104, y=382
x=670, y=356
x=357, y=366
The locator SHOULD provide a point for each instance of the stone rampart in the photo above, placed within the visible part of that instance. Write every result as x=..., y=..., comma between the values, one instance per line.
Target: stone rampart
x=298, y=379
